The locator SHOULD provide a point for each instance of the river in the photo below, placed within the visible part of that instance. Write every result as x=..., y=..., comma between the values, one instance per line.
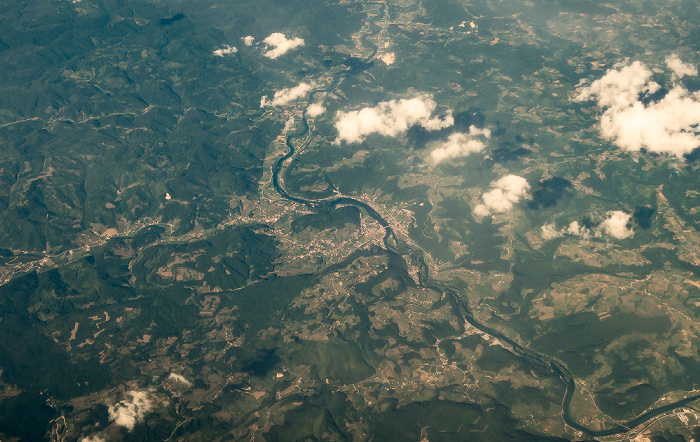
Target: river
x=396, y=246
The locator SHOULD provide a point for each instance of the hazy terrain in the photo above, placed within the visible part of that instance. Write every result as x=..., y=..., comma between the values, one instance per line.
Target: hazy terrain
x=357, y=220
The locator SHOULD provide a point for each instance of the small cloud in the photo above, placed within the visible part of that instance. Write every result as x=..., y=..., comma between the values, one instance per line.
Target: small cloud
x=616, y=224
x=281, y=45
x=506, y=191
x=576, y=229
x=287, y=95
x=180, y=379
x=289, y=125
x=473, y=130
x=315, y=109
x=680, y=69
x=389, y=118
x=549, y=231
x=248, y=40
x=93, y=439
x=226, y=50
x=460, y=145
x=129, y=412
x=669, y=125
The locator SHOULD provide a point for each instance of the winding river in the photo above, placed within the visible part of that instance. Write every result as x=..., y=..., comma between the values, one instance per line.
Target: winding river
x=395, y=246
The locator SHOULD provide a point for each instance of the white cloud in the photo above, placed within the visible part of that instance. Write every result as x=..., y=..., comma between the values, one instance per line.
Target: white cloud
x=226, y=50
x=460, y=145
x=620, y=87
x=486, y=133
x=679, y=68
x=577, y=230
x=506, y=191
x=389, y=118
x=287, y=95
x=669, y=125
x=281, y=45
x=616, y=224
x=549, y=231
x=315, y=109
x=93, y=439
x=248, y=40
x=289, y=124
x=174, y=377
x=129, y=412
